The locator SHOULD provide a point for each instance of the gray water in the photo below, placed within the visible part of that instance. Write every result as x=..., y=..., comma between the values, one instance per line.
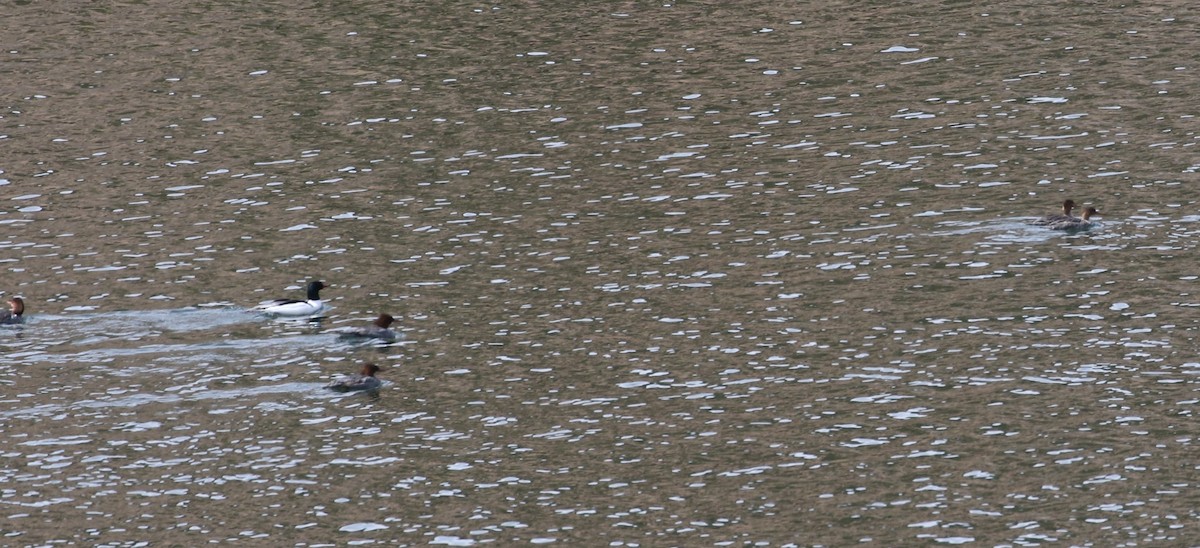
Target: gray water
x=666, y=275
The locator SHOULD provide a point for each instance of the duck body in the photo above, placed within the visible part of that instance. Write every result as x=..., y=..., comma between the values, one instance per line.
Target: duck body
x=1076, y=225
x=291, y=308
x=15, y=315
x=295, y=308
x=1063, y=217
x=365, y=380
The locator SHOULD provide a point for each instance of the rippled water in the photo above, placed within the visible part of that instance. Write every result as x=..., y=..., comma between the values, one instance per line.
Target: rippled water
x=667, y=275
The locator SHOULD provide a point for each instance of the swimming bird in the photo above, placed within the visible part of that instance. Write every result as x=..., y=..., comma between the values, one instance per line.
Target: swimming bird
x=379, y=329
x=296, y=308
x=1067, y=206
x=13, y=317
x=364, y=380
x=1082, y=223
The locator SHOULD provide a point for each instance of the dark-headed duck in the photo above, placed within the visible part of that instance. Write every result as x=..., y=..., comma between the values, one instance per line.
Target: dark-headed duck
x=295, y=308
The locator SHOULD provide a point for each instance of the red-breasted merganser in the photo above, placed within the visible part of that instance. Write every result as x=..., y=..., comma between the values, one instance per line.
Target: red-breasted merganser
x=14, y=316
x=379, y=329
x=364, y=380
x=1082, y=223
x=1067, y=206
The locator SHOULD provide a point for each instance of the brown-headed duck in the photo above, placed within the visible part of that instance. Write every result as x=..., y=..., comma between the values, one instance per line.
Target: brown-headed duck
x=1067, y=206
x=379, y=329
x=1082, y=223
x=14, y=316
x=364, y=380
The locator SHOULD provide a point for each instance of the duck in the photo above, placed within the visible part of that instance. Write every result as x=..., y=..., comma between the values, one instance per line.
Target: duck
x=14, y=316
x=379, y=329
x=312, y=306
x=1082, y=223
x=1067, y=206
x=364, y=380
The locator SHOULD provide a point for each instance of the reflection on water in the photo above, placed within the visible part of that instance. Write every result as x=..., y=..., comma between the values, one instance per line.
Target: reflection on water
x=666, y=275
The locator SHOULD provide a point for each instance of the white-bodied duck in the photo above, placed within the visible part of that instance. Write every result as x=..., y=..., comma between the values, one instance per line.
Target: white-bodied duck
x=364, y=380
x=294, y=308
x=1067, y=206
x=379, y=329
x=14, y=316
x=1082, y=223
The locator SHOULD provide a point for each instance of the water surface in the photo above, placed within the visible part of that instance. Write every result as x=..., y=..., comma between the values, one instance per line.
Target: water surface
x=666, y=274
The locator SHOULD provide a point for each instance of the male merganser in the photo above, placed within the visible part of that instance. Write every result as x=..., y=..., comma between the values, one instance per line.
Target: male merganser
x=1081, y=223
x=364, y=380
x=13, y=317
x=1067, y=206
x=293, y=307
x=377, y=330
